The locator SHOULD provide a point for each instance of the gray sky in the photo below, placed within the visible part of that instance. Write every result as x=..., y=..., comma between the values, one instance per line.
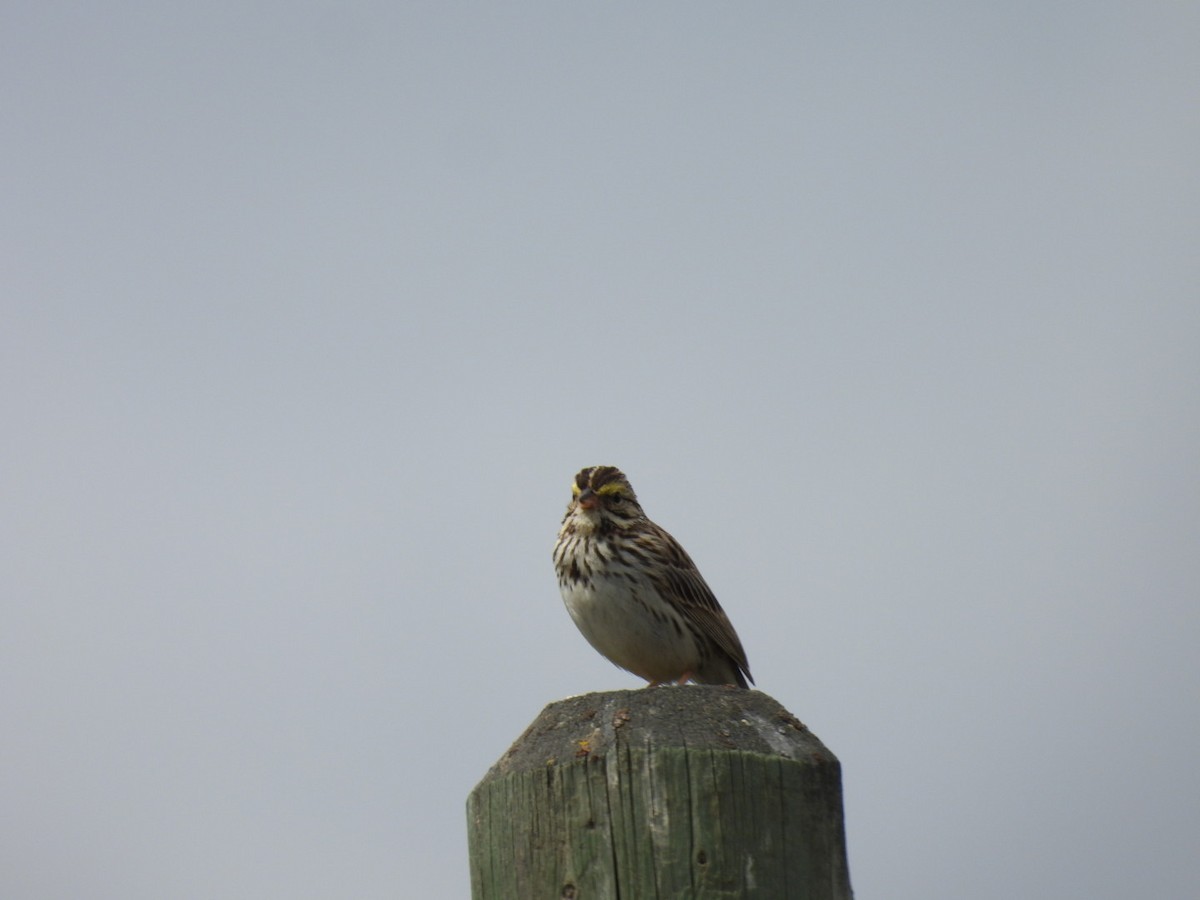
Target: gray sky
x=891, y=313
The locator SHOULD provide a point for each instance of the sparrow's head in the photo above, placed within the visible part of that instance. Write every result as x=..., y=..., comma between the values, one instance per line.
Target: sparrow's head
x=602, y=495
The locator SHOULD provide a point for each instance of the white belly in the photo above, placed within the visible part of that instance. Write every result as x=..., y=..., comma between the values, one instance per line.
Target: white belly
x=612, y=616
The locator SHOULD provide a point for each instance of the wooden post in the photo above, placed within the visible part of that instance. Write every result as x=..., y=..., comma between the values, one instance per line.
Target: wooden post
x=670, y=792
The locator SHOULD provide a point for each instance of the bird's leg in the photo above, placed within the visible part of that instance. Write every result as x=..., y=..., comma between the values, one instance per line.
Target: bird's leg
x=659, y=682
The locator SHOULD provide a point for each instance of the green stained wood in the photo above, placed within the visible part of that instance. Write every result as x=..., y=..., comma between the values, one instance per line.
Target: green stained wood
x=661, y=794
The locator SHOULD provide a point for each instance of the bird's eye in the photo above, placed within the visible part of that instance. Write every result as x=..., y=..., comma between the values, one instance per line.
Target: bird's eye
x=616, y=498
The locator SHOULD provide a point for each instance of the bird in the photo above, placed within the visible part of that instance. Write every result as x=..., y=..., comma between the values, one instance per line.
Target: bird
x=635, y=594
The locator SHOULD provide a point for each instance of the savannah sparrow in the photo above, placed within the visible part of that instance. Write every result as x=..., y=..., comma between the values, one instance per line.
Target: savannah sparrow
x=635, y=594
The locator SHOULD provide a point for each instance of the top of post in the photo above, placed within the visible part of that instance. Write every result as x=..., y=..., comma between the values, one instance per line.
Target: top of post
x=695, y=717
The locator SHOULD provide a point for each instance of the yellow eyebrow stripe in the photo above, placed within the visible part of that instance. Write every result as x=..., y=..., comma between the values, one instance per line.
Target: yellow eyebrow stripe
x=610, y=488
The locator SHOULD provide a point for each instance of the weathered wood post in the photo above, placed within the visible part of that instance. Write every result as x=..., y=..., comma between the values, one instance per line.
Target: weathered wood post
x=672, y=792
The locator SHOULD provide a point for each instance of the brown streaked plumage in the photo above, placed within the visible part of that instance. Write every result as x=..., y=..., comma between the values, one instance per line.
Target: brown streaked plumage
x=634, y=592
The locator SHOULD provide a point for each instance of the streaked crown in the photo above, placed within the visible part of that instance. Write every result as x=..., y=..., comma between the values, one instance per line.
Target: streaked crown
x=606, y=490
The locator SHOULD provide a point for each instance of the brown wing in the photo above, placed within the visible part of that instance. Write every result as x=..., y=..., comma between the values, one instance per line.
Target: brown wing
x=681, y=583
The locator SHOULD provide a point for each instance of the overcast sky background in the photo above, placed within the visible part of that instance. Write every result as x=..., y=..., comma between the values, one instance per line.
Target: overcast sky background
x=891, y=312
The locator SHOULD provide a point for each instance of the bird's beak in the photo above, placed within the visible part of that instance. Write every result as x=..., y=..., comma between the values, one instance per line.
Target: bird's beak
x=588, y=499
